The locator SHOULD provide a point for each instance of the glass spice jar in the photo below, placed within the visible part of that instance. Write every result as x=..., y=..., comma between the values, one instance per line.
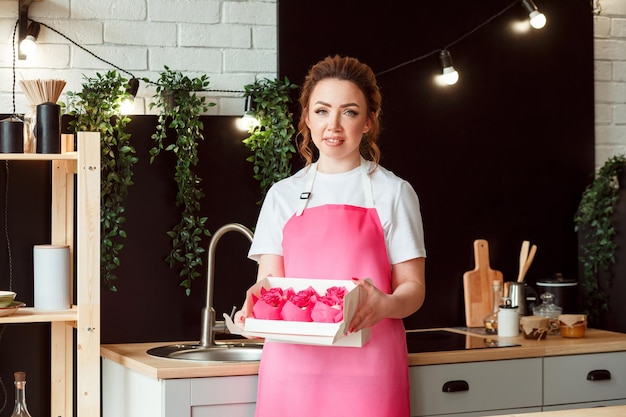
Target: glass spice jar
x=548, y=309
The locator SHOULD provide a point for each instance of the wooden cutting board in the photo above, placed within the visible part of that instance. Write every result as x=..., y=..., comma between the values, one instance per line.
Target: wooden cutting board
x=477, y=286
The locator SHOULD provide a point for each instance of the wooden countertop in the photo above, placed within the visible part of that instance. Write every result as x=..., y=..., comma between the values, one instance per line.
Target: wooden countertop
x=615, y=411
x=595, y=341
x=134, y=356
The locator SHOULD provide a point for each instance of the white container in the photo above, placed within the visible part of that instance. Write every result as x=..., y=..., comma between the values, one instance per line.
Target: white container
x=508, y=320
x=51, y=265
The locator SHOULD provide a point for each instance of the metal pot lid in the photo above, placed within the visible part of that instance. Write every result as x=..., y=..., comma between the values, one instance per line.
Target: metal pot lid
x=557, y=283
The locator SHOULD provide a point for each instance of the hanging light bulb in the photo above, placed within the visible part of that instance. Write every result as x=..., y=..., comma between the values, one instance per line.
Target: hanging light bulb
x=28, y=45
x=537, y=19
x=128, y=104
x=248, y=120
x=449, y=75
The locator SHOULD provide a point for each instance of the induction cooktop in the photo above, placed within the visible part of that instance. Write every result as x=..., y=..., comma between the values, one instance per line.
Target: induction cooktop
x=444, y=340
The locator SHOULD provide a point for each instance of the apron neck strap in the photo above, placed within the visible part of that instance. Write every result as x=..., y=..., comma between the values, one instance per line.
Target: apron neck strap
x=306, y=195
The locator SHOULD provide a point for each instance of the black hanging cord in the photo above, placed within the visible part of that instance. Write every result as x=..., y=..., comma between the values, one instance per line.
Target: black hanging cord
x=454, y=42
x=501, y=12
x=14, y=52
x=84, y=49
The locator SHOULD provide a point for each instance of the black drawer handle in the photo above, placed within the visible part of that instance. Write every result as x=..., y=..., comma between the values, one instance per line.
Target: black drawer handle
x=455, y=386
x=599, y=375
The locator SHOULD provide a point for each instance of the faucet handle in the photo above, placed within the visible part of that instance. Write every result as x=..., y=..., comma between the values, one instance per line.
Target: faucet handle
x=232, y=313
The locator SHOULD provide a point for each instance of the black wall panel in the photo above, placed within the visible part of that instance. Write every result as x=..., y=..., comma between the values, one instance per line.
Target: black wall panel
x=502, y=155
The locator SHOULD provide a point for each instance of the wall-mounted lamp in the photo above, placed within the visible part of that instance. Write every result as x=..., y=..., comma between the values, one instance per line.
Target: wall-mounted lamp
x=248, y=120
x=537, y=19
x=448, y=74
x=27, y=34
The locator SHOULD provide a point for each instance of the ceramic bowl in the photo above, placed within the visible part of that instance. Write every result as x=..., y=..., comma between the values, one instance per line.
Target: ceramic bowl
x=6, y=298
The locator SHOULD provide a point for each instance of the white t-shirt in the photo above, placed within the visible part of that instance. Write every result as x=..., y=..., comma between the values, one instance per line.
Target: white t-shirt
x=395, y=201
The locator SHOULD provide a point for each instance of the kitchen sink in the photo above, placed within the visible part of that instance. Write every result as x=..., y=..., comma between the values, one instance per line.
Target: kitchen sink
x=225, y=352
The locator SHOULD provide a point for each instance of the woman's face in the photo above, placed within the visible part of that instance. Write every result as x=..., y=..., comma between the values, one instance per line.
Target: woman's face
x=337, y=117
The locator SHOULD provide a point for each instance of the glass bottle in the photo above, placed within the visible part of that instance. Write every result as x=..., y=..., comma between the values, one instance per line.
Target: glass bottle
x=30, y=122
x=20, y=409
x=491, y=319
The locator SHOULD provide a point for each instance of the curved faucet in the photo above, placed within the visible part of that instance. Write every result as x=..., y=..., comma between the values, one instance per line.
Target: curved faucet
x=208, y=313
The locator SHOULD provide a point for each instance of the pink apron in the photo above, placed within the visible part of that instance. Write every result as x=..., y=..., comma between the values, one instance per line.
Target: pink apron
x=337, y=242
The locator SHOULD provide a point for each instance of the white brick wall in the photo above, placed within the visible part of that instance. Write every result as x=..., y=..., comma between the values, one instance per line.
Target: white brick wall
x=610, y=79
x=232, y=41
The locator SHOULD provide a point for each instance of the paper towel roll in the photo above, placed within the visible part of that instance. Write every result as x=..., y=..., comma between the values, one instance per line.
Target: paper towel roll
x=52, y=277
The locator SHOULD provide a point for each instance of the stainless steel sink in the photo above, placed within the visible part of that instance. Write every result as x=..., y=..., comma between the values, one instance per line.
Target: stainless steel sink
x=227, y=352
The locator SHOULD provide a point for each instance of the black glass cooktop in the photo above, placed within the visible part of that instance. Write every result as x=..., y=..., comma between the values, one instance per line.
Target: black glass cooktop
x=442, y=340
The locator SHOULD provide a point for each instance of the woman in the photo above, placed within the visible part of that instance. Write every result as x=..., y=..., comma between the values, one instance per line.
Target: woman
x=340, y=217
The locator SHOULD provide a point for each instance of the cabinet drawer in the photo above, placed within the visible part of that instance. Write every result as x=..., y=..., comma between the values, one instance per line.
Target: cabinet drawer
x=584, y=378
x=223, y=390
x=476, y=386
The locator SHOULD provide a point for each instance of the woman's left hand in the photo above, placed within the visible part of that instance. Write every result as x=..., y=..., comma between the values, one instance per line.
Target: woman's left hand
x=408, y=289
x=372, y=306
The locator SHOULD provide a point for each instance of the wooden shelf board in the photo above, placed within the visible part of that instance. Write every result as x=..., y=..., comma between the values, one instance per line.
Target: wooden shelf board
x=38, y=156
x=30, y=315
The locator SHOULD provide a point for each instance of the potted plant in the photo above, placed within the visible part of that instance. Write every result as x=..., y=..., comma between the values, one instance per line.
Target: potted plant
x=594, y=222
x=180, y=114
x=271, y=139
x=97, y=109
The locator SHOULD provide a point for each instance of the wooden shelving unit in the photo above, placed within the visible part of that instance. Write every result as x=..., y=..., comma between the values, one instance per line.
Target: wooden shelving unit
x=85, y=315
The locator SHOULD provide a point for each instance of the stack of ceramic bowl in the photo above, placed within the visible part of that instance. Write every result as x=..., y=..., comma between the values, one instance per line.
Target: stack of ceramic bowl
x=8, y=305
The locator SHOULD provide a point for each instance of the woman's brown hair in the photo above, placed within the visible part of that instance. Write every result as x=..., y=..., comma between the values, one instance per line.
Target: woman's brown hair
x=348, y=69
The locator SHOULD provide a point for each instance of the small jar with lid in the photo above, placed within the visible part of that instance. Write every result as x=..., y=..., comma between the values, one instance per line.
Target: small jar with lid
x=548, y=309
x=573, y=325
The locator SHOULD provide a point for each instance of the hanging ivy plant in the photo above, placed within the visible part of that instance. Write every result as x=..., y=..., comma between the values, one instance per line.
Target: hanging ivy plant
x=180, y=112
x=594, y=220
x=271, y=140
x=97, y=109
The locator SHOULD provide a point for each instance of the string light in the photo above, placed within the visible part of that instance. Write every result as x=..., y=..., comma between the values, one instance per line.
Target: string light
x=449, y=74
x=128, y=104
x=248, y=121
x=537, y=19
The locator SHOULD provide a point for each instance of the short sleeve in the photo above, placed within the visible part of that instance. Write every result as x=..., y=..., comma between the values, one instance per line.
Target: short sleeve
x=406, y=232
x=268, y=231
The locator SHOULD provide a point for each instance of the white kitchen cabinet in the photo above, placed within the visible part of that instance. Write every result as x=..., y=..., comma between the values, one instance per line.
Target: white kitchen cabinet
x=129, y=393
x=538, y=376
x=482, y=388
x=577, y=381
x=84, y=164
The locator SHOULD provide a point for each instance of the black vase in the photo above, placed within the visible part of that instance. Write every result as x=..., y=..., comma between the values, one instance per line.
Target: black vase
x=11, y=136
x=48, y=128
